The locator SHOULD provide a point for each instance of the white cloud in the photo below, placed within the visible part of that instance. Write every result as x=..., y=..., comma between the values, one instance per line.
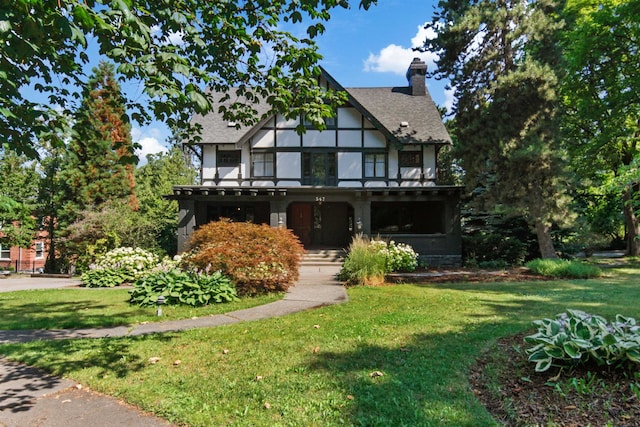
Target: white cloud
x=149, y=141
x=395, y=59
x=449, y=99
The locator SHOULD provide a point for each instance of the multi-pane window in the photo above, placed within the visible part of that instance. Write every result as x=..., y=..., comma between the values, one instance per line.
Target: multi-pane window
x=375, y=165
x=262, y=164
x=5, y=252
x=410, y=159
x=319, y=168
x=39, y=247
x=229, y=158
x=329, y=122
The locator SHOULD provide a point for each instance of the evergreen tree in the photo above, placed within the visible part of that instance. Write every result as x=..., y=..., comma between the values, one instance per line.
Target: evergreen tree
x=502, y=59
x=98, y=166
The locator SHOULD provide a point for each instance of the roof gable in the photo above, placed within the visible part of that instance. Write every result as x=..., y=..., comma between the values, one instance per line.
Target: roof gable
x=400, y=116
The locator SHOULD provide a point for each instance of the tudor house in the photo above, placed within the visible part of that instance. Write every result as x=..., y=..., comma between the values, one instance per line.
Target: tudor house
x=372, y=171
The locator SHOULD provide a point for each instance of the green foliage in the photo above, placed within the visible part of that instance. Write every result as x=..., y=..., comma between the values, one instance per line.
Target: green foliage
x=153, y=180
x=105, y=278
x=368, y=261
x=502, y=59
x=399, y=256
x=118, y=266
x=182, y=288
x=223, y=44
x=563, y=268
x=258, y=258
x=576, y=337
x=497, y=240
x=364, y=265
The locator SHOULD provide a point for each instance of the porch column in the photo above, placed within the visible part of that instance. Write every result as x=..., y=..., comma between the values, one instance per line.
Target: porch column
x=186, y=222
x=362, y=213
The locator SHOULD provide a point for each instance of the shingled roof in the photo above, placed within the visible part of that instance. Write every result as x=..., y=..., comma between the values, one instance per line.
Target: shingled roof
x=403, y=118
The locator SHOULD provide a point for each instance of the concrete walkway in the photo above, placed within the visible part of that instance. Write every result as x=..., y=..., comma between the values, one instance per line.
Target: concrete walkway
x=30, y=397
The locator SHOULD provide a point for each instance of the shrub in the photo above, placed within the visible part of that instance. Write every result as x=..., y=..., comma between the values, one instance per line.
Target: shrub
x=365, y=264
x=182, y=288
x=563, y=268
x=399, y=256
x=118, y=266
x=576, y=337
x=258, y=258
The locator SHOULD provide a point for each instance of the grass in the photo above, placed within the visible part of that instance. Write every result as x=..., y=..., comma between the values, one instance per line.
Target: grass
x=94, y=308
x=563, y=268
x=320, y=367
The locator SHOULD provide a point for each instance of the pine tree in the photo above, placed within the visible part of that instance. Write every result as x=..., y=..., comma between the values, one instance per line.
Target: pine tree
x=502, y=59
x=99, y=165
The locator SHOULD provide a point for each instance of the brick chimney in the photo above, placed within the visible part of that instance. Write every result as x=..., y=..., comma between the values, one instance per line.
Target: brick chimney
x=416, y=75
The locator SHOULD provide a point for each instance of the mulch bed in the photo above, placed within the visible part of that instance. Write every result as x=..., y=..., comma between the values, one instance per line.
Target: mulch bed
x=507, y=385
x=520, y=274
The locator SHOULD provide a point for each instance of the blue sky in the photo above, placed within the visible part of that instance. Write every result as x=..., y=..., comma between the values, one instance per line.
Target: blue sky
x=360, y=49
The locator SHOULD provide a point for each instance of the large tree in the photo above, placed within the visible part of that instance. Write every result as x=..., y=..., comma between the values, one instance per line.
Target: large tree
x=602, y=100
x=176, y=50
x=18, y=199
x=98, y=165
x=501, y=57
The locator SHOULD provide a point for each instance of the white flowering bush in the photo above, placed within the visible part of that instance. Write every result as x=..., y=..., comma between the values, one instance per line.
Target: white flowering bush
x=118, y=266
x=400, y=256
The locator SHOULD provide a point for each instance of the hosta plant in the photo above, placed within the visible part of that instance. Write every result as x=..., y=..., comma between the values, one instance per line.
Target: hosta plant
x=576, y=337
x=182, y=288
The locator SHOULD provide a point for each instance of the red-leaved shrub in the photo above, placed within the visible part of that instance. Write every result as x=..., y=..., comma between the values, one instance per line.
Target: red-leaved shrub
x=258, y=258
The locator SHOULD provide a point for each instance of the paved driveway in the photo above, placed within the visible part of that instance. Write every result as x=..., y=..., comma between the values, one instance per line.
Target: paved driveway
x=21, y=283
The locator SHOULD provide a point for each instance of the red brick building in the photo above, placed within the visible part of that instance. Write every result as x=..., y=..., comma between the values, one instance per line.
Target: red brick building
x=25, y=259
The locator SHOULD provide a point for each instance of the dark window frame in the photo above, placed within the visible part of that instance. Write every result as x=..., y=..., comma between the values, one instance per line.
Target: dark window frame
x=376, y=156
x=264, y=162
x=228, y=158
x=410, y=159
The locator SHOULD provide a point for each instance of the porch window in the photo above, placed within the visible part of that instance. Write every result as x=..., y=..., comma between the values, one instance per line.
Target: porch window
x=375, y=165
x=39, y=247
x=408, y=217
x=5, y=252
x=229, y=158
x=262, y=164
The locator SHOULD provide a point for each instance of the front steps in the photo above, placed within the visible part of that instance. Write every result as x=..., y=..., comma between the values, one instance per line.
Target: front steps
x=323, y=257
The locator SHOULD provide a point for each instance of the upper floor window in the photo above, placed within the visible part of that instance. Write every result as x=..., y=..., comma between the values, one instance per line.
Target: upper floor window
x=39, y=247
x=329, y=122
x=229, y=158
x=5, y=252
x=375, y=165
x=319, y=168
x=262, y=164
x=410, y=159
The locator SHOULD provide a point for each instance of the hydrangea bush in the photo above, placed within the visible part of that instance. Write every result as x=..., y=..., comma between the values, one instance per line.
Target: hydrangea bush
x=400, y=256
x=118, y=266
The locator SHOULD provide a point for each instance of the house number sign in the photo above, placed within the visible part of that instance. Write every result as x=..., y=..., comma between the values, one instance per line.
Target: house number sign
x=320, y=199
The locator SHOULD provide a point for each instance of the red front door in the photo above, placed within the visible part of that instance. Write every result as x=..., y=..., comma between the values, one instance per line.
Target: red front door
x=300, y=220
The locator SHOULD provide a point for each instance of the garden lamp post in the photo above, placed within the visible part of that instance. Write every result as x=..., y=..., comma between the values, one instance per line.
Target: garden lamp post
x=159, y=302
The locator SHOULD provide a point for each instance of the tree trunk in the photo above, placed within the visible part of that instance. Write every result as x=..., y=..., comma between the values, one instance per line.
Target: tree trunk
x=632, y=225
x=544, y=240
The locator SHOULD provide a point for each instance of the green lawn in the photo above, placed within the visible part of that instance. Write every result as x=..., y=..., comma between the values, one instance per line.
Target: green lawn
x=93, y=308
x=315, y=368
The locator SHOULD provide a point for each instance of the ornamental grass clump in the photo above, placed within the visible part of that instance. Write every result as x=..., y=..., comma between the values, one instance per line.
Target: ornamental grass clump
x=258, y=258
x=118, y=266
x=578, y=338
x=368, y=262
